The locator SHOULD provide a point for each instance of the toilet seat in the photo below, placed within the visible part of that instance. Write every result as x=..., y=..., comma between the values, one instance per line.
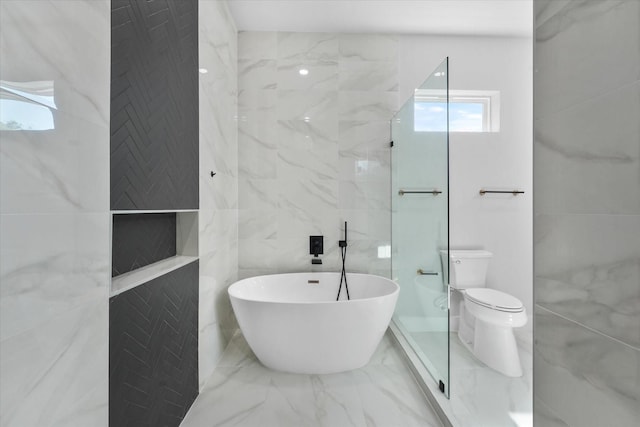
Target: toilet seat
x=494, y=300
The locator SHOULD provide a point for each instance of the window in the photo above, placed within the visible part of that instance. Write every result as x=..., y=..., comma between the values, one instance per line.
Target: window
x=469, y=111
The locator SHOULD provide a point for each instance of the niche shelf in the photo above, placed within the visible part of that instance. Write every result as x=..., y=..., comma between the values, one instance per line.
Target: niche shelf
x=179, y=230
x=137, y=277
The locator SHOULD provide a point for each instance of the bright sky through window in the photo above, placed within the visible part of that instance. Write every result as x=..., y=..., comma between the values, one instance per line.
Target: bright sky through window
x=463, y=117
x=469, y=111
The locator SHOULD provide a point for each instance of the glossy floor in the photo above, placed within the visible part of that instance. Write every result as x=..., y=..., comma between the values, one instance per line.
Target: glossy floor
x=480, y=396
x=242, y=392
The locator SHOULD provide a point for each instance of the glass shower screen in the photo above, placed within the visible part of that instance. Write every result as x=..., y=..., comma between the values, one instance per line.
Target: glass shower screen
x=420, y=222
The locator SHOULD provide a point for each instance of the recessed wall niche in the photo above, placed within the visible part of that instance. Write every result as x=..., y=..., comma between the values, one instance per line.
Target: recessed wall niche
x=148, y=245
x=142, y=239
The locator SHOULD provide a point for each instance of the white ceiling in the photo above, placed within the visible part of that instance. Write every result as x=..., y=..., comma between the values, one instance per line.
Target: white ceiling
x=450, y=17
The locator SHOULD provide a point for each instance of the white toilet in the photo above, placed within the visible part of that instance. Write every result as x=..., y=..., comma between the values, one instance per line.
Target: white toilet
x=487, y=316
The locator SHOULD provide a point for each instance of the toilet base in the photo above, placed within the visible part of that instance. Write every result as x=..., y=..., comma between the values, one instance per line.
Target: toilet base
x=493, y=345
x=496, y=347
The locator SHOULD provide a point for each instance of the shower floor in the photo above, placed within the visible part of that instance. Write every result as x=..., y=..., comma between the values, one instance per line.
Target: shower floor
x=242, y=392
x=480, y=396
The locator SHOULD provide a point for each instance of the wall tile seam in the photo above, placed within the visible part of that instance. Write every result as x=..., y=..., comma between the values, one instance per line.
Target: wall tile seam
x=104, y=299
x=546, y=405
x=106, y=213
x=595, y=331
x=584, y=214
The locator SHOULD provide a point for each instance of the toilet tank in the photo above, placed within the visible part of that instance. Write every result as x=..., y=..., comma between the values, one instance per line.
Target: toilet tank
x=467, y=268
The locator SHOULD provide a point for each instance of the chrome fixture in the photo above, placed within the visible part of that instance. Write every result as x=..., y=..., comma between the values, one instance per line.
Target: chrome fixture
x=434, y=192
x=514, y=192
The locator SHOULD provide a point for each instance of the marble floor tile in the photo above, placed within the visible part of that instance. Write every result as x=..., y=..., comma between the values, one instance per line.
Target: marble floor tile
x=480, y=396
x=242, y=392
x=391, y=398
x=490, y=398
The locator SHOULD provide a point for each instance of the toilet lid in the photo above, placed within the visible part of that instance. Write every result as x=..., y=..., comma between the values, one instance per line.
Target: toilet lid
x=494, y=299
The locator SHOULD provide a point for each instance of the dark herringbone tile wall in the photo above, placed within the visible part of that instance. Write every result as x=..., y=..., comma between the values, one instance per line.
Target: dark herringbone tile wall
x=153, y=351
x=154, y=104
x=140, y=240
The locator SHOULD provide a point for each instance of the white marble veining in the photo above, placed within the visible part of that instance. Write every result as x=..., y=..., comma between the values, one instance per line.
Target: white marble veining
x=58, y=170
x=219, y=198
x=242, y=392
x=316, y=164
x=319, y=46
x=314, y=148
x=50, y=264
x=256, y=110
x=367, y=105
x=57, y=374
x=216, y=324
x=257, y=161
x=321, y=75
x=257, y=74
x=351, y=195
x=35, y=47
x=364, y=134
x=587, y=184
x=546, y=417
x=584, y=49
x=308, y=105
x=257, y=193
x=54, y=222
x=257, y=254
x=368, y=47
x=589, y=176
x=572, y=361
x=258, y=223
x=371, y=75
x=301, y=134
x=597, y=282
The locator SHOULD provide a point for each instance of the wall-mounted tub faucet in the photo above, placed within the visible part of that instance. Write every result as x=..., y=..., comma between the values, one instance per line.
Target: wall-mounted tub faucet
x=316, y=247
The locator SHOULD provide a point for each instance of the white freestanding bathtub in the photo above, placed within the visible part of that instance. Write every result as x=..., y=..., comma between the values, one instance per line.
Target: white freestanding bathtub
x=293, y=323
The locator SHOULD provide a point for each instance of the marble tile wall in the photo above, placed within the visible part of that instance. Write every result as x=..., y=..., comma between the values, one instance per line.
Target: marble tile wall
x=218, y=220
x=587, y=213
x=54, y=218
x=313, y=149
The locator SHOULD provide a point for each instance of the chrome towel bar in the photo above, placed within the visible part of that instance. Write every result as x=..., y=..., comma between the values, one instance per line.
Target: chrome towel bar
x=427, y=273
x=514, y=192
x=434, y=192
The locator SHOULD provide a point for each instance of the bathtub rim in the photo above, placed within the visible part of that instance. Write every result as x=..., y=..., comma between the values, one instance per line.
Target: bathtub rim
x=390, y=294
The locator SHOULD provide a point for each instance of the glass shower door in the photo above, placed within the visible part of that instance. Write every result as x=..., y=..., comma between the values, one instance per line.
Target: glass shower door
x=420, y=222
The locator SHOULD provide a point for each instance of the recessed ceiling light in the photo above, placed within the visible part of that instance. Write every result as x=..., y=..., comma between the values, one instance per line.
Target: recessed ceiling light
x=203, y=71
x=303, y=71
